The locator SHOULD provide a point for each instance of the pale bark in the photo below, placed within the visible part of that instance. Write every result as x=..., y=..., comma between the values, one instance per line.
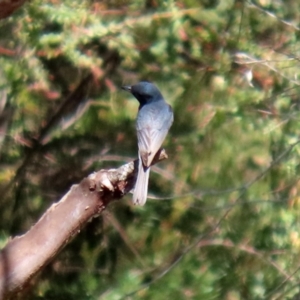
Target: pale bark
x=24, y=256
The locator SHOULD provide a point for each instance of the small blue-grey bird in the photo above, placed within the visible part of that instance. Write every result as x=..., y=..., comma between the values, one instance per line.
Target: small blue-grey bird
x=153, y=122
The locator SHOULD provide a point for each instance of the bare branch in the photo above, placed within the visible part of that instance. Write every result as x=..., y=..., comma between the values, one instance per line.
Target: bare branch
x=24, y=256
x=272, y=15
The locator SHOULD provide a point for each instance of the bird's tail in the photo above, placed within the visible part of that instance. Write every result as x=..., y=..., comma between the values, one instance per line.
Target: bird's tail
x=141, y=186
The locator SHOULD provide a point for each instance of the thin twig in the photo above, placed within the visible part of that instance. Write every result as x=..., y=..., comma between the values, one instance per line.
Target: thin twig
x=272, y=15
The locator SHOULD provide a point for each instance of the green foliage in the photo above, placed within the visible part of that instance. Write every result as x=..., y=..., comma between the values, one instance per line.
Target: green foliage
x=224, y=220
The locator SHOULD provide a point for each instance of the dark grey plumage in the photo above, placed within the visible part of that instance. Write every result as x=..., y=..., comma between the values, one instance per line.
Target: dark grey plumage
x=153, y=122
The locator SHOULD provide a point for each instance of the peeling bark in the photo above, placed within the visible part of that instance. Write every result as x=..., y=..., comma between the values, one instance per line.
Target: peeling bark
x=24, y=256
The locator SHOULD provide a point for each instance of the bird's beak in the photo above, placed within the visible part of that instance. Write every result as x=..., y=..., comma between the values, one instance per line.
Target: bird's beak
x=127, y=88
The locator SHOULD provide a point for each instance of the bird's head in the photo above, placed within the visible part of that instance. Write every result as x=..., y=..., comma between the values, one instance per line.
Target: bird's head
x=144, y=92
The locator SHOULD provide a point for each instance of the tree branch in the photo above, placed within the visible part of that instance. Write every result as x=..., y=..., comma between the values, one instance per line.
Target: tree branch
x=8, y=7
x=24, y=256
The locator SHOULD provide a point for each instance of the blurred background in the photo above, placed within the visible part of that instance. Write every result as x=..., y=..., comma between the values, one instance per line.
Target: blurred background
x=222, y=217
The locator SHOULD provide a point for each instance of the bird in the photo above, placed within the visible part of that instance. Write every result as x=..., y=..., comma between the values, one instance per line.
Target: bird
x=154, y=119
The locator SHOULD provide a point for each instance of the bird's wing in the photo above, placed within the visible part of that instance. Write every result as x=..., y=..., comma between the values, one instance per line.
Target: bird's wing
x=152, y=127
